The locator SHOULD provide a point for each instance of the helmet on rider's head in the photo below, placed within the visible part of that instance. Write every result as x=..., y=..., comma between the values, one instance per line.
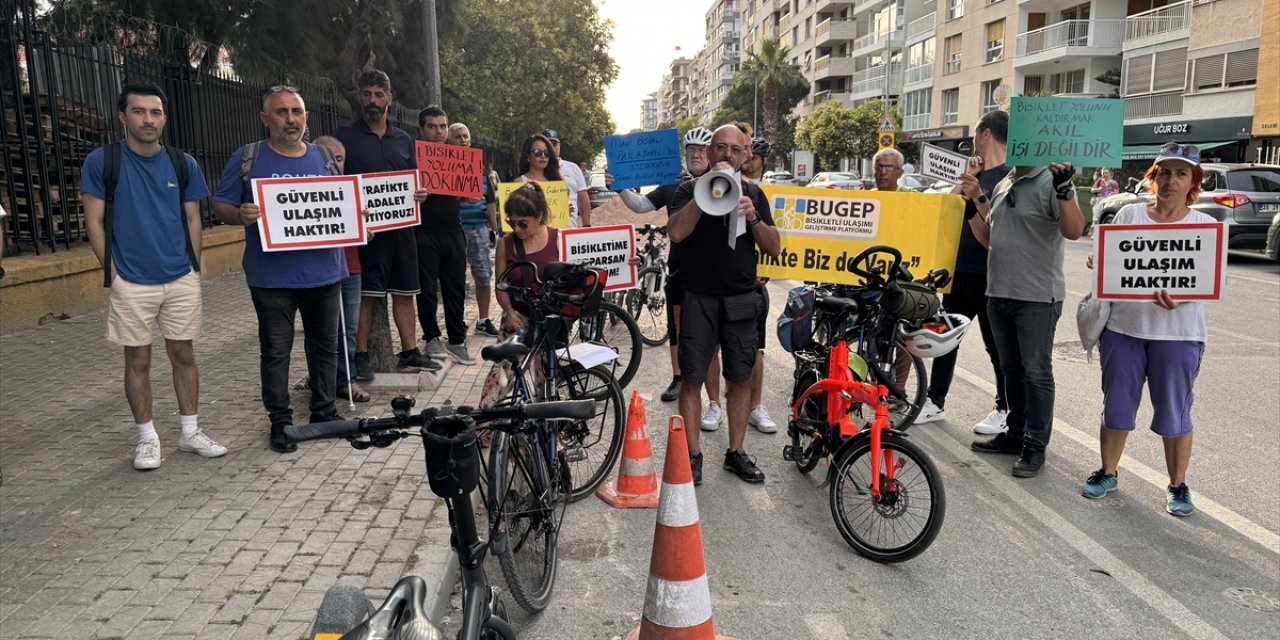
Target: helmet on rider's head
x=760, y=147
x=936, y=336
x=697, y=135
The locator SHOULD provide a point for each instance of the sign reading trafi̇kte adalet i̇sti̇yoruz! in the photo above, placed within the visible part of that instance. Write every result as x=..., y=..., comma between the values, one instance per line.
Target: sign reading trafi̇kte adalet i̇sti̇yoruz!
x=555, y=191
x=450, y=170
x=610, y=248
x=643, y=158
x=388, y=199
x=1087, y=132
x=309, y=213
x=822, y=230
x=1133, y=261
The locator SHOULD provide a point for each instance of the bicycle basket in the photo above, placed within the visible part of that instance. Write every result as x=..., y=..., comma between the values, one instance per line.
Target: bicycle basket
x=452, y=462
x=795, y=325
x=585, y=285
x=910, y=301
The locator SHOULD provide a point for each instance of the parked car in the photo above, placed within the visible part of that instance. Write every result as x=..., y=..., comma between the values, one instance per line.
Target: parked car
x=1273, y=239
x=781, y=178
x=836, y=180
x=597, y=191
x=1244, y=195
x=925, y=184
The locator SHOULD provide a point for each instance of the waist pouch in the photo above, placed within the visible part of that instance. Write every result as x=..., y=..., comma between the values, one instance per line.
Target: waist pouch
x=744, y=306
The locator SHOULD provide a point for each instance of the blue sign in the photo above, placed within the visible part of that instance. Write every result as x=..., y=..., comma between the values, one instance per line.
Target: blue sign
x=643, y=159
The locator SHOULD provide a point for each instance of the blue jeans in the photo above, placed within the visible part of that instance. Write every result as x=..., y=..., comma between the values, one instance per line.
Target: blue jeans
x=276, y=309
x=1023, y=332
x=351, y=311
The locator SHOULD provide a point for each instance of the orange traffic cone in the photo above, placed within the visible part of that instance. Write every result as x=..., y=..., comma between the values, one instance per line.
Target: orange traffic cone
x=677, y=602
x=637, y=484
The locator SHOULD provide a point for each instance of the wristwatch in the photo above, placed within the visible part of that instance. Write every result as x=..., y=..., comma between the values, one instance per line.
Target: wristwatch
x=983, y=199
x=1067, y=194
x=754, y=222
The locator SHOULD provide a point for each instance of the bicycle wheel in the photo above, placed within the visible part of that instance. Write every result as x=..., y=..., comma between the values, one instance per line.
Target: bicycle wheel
x=915, y=386
x=591, y=447
x=527, y=520
x=907, y=517
x=648, y=306
x=615, y=328
x=813, y=409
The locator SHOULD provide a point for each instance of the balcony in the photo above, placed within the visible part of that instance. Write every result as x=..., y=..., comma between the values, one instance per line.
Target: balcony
x=836, y=30
x=1163, y=24
x=863, y=6
x=922, y=27
x=919, y=74
x=869, y=83
x=875, y=42
x=1159, y=104
x=833, y=66
x=1070, y=39
x=916, y=122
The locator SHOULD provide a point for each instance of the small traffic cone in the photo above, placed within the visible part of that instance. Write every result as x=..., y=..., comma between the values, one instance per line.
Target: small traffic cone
x=637, y=485
x=677, y=602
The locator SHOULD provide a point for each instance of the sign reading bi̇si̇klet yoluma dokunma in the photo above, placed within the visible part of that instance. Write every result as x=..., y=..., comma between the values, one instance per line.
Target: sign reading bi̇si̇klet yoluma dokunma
x=1133, y=261
x=309, y=213
x=450, y=170
x=824, y=229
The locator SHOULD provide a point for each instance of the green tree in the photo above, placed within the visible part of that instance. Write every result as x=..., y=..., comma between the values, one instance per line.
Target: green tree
x=770, y=70
x=740, y=104
x=826, y=132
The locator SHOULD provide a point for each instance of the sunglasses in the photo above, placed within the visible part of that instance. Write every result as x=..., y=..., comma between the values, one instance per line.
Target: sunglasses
x=523, y=225
x=282, y=87
x=540, y=153
x=1176, y=149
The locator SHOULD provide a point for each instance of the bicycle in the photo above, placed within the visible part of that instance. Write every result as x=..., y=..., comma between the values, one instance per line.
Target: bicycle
x=449, y=444
x=647, y=303
x=613, y=327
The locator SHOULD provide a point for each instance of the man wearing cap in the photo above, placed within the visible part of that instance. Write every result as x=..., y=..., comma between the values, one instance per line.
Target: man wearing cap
x=579, y=199
x=1023, y=224
x=721, y=297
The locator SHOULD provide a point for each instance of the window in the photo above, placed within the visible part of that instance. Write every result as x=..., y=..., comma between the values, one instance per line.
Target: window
x=1159, y=72
x=955, y=9
x=951, y=53
x=951, y=106
x=1032, y=85
x=1234, y=69
x=1068, y=82
x=989, y=102
x=995, y=41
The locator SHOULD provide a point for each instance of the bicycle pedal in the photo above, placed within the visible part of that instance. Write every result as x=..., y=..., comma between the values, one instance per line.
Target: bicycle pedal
x=575, y=454
x=792, y=453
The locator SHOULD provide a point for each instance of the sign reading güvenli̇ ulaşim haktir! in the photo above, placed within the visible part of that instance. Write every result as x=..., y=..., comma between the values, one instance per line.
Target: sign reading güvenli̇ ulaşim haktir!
x=309, y=213
x=450, y=170
x=1133, y=261
x=1087, y=132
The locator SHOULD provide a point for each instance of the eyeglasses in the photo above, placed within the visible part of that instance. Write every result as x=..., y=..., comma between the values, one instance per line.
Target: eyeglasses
x=282, y=87
x=523, y=225
x=540, y=153
x=1176, y=149
x=734, y=149
x=888, y=167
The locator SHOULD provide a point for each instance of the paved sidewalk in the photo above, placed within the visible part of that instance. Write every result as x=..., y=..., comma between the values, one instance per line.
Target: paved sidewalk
x=242, y=546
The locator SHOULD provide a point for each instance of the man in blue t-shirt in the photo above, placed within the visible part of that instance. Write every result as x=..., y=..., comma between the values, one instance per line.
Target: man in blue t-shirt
x=153, y=281
x=479, y=228
x=284, y=284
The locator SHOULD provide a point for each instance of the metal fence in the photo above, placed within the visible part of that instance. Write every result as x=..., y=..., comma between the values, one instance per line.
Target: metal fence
x=59, y=104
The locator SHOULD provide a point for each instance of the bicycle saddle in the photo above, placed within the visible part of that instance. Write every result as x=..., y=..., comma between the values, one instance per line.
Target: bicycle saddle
x=512, y=348
x=402, y=617
x=835, y=304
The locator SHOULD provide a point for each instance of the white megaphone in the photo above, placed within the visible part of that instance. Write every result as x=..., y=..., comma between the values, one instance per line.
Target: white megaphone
x=717, y=193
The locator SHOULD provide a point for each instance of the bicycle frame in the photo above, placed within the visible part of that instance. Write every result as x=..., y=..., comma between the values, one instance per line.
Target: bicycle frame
x=477, y=594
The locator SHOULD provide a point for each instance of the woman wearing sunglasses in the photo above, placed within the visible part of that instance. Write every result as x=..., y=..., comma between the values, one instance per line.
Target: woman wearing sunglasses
x=530, y=240
x=1158, y=343
x=538, y=160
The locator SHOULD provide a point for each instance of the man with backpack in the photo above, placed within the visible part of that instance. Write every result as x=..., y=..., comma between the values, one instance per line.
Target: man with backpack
x=142, y=212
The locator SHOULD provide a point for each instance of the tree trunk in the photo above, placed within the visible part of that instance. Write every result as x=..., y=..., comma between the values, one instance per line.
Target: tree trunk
x=771, y=112
x=382, y=356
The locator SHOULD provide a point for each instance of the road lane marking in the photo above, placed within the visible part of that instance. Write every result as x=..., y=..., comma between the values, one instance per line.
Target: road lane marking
x=1242, y=525
x=757, y=498
x=825, y=626
x=1237, y=276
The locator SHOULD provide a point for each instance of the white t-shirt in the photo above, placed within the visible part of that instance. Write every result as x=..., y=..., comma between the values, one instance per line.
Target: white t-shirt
x=577, y=183
x=1145, y=319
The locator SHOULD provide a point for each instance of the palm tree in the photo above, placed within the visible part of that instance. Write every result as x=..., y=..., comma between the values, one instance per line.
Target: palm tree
x=770, y=70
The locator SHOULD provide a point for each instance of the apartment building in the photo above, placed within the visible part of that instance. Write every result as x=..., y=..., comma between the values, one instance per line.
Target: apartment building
x=1266, y=102
x=717, y=63
x=649, y=112
x=673, y=98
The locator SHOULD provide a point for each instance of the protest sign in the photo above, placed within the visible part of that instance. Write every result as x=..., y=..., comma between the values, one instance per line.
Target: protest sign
x=644, y=158
x=388, y=199
x=557, y=193
x=822, y=230
x=1133, y=261
x=450, y=170
x=1087, y=132
x=936, y=162
x=608, y=248
x=309, y=213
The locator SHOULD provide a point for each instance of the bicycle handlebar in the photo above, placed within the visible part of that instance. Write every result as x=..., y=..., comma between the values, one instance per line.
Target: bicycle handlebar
x=553, y=410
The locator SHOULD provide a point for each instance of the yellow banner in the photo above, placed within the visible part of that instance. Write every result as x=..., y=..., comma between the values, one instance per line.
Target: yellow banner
x=557, y=193
x=823, y=229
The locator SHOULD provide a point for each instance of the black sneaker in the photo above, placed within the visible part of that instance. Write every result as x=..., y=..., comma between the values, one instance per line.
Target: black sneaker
x=1001, y=443
x=332, y=417
x=695, y=465
x=279, y=442
x=1028, y=464
x=672, y=392
x=412, y=361
x=485, y=328
x=743, y=466
x=364, y=370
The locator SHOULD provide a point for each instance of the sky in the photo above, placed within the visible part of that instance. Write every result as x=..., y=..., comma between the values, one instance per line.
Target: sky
x=645, y=36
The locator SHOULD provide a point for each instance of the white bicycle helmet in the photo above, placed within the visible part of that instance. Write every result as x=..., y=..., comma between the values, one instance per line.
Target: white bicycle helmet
x=697, y=135
x=936, y=336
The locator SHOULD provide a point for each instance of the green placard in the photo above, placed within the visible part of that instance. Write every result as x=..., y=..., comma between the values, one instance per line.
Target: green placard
x=1087, y=132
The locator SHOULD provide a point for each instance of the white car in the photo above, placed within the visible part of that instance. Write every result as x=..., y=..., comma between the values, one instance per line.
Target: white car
x=779, y=178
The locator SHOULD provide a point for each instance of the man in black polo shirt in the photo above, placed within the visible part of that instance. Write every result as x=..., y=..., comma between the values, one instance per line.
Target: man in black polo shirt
x=389, y=262
x=721, y=297
x=442, y=258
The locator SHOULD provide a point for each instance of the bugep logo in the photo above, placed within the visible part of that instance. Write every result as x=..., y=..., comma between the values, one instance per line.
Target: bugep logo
x=843, y=216
x=788, y=213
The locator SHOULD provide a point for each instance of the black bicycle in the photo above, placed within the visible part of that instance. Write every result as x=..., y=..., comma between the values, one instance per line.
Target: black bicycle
x=647, y=302
x=450, y=447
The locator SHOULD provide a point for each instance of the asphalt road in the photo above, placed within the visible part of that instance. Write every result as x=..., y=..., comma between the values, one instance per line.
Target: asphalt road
x=1015, y=558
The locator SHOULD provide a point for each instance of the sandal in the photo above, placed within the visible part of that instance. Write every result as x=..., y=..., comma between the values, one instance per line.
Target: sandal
x=354, y=393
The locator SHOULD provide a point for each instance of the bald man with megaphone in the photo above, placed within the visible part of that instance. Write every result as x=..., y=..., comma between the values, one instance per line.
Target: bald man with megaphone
x=720, y=222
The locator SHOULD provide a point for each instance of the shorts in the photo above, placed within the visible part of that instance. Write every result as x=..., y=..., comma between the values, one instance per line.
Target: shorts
x=675, y=295
x=703, y=327
x=134, y=310
x=1169, y=367
x=478, y=255
x=389, y=264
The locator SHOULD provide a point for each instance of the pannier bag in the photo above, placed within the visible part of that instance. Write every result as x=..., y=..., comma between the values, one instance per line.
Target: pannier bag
x=910, y=301
x=575, y=280
x=795, y=325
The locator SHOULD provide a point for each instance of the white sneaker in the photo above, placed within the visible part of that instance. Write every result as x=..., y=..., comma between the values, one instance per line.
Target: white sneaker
x=712, y=418
x=992, y=424
x=930, y=412
x=201, y=444
x=147, y=455
x=759, y=418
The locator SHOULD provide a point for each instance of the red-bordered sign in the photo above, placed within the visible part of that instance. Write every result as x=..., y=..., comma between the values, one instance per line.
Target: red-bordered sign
x=608, y=248
x=450, y=170
x=309, y=213
x=388, y=199
x=1132, y=261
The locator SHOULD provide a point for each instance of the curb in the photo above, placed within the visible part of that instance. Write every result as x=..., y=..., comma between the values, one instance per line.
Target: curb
x=430, y=558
